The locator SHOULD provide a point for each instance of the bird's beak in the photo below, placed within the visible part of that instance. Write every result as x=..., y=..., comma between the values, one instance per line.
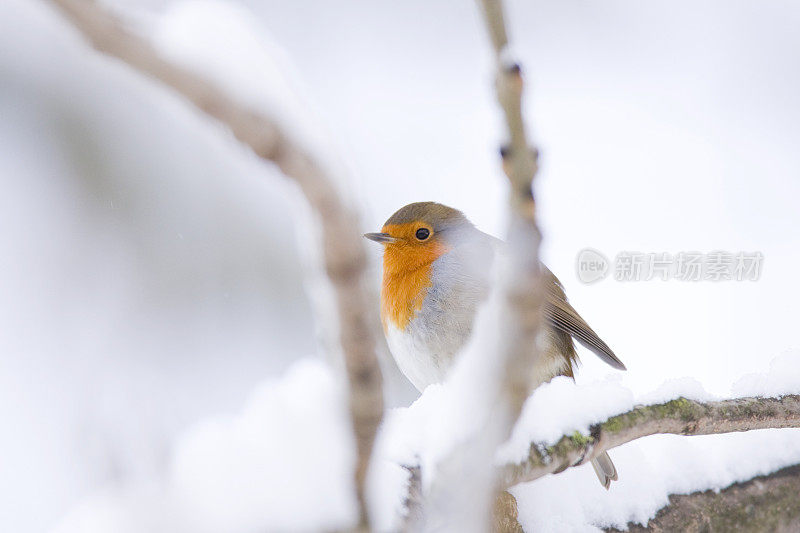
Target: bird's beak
x=382, y=238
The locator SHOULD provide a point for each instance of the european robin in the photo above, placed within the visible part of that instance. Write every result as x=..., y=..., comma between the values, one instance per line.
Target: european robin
x=436, y=273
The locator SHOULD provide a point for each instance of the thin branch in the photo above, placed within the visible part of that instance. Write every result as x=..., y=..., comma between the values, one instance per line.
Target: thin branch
x=519, y=159
x=764, y=503
x=344, y=255
x=676, y=417
x=522, y=312
x=451, y=502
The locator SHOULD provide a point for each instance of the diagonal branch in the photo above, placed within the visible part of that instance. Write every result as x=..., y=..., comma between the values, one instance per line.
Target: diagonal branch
x=344, y=256
x=676, y=417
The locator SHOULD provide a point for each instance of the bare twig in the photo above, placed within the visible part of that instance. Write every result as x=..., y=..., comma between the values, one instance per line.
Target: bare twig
x=677, y=417
x=519, y=160
x=523, y=295
x=453, y=502
x=764, y=503
x=344, y=256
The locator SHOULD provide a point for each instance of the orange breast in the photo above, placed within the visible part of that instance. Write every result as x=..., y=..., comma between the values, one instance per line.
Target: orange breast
x=402, y=295
x=407, y=268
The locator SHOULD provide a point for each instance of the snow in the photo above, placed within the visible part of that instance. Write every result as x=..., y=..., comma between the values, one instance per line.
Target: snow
x=544, y=415
x=294, y=431
x=387, y=485
x=292, y=435
x=782, y=377
x=650, y=469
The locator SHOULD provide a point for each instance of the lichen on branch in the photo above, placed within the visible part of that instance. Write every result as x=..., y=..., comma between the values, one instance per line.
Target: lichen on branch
x=678, y=417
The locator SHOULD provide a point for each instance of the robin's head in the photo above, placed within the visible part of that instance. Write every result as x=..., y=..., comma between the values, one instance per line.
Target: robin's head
x=419, y=233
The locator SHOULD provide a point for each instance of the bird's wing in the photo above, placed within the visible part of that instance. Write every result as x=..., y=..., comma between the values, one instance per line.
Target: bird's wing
x=562, y=316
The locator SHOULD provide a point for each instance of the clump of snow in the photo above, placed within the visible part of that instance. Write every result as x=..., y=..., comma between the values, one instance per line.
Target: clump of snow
x=387, y=486
x=562, y=407
x=285, y=462
x=783, y=377
x=671, y=389
x=128, y=509
x=557, y=408
x=412, y=425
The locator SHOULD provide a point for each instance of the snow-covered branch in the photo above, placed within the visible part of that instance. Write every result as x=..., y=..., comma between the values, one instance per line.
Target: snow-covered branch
x=344, y=256
x=764, y=503
x=677, y=417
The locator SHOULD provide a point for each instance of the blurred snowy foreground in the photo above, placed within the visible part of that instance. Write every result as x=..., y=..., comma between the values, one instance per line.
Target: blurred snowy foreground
x=151, y=184
x=285, y=461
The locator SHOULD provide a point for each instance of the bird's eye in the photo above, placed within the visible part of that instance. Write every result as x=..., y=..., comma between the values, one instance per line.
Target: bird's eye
x=423, y=233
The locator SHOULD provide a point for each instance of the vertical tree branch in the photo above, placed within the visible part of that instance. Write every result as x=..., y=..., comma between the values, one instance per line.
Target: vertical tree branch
x=522, y=288
x=521, y=283
x=455, y=502
x=344, y=256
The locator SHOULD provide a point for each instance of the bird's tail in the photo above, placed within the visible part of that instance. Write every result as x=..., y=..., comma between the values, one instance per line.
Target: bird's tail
x=605, y=470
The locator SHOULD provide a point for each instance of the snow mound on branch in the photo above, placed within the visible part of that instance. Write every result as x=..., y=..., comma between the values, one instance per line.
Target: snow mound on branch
x=557, y=408
x=285, y=462
x=671, y=389
x=783, y=377
x=562, y=407
x=650, y=469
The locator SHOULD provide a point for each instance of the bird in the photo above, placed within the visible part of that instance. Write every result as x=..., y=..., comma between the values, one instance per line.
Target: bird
x=436, y=274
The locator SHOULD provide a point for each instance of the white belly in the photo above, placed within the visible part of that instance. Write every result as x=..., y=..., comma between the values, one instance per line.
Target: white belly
x=415, y=361
x=422, y=367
